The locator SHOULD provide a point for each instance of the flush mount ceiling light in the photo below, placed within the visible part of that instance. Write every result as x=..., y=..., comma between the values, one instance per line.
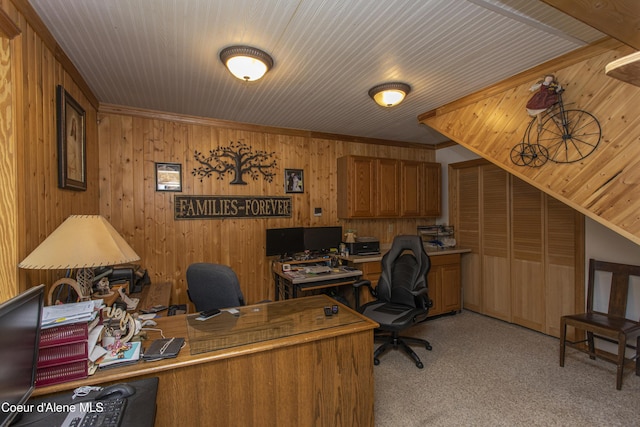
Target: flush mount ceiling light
x=245, y=62
x=389, y=94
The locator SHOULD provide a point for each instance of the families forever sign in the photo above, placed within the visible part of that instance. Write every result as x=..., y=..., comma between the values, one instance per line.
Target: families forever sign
x=218, y=207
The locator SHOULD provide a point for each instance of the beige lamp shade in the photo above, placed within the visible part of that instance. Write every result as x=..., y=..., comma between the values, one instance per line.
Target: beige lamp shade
x=81, y=241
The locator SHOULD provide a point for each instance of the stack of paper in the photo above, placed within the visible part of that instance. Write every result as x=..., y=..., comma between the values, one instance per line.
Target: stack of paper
x=63, y=314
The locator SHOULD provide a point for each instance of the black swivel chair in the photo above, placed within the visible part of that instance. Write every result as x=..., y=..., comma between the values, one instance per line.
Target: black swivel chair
x=212, y=286
x=401, y=296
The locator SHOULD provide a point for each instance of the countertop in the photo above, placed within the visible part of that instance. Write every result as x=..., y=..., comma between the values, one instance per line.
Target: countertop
x=430, y=251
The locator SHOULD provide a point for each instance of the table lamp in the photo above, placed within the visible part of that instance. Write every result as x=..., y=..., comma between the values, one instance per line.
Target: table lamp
x=81, y=242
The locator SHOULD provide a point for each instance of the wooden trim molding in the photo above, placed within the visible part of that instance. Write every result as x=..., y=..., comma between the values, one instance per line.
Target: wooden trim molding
x=8, y=28
x=205, y=121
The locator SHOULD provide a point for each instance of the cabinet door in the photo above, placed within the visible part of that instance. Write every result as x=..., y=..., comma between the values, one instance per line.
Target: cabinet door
x=496, y=276
x=431, y=183
x=444, y=284
x=412, y=188
x=356, y=187
x=527, y=255
x=450, y=289
x=388, y=183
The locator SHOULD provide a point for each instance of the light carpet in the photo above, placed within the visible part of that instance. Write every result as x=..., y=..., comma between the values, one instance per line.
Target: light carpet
x=485, y=372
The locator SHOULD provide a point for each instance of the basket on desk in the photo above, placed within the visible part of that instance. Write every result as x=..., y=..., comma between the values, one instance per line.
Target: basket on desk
x=63, y=354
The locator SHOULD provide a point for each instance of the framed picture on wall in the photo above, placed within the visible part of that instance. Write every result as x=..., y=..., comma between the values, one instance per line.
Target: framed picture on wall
x=169, y=177
x=72, y=143
x=293, y=181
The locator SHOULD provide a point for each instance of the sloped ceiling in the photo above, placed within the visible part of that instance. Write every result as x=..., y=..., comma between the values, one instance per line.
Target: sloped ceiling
x=163, y=55
x=605, y=185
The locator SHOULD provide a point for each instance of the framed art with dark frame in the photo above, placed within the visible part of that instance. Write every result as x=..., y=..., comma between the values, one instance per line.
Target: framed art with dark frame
x=293, y=181
x=72, y=142
x=169, y=177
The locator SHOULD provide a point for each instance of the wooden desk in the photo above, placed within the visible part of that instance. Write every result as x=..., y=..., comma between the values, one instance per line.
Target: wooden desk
x=289, y=284
x=302, y=368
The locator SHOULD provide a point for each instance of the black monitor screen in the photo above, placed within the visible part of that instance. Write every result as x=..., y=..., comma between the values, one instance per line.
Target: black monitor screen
x=281, y=241
x=19, y=340
x=322, y=239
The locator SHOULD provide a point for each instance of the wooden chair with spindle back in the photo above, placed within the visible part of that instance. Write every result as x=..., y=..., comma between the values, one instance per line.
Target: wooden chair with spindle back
x=612, y=326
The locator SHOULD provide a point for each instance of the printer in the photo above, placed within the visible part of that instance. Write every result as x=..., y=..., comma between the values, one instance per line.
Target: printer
x=364, y=246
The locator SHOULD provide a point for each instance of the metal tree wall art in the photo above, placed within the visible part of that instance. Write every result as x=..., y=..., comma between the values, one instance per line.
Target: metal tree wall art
x=239, y=159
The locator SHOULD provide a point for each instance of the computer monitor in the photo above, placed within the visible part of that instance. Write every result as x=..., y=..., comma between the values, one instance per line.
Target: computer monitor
x=322, y=239
x=282, y=241
x=19, y=341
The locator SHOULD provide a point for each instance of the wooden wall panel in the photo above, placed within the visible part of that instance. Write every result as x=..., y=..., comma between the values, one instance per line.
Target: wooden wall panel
x=8, y=174
x=604, y=186
x=131, y=141
x=37, y=66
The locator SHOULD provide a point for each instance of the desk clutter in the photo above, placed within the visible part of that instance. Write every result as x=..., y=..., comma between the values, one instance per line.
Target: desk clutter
x=79, y=338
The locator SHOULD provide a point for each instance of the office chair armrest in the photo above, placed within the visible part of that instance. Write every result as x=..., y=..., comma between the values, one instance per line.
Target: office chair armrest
x=419, y=292
x=361, y=283
x=423, y=293
x=356, y=289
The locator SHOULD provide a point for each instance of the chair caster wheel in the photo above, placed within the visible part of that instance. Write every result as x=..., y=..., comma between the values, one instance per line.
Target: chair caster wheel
x=376, y=361
x=428, y=347
x=419, y=365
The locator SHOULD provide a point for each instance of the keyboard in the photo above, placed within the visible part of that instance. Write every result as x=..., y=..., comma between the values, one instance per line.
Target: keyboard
x=321, y=269
x=99, y=413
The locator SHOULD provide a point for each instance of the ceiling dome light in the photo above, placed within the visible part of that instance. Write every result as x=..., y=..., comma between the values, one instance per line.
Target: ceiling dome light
x=245, y=62
x=389, y=94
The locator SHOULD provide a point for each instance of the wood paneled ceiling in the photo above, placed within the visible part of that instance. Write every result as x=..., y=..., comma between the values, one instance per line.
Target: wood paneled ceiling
x=163, y=55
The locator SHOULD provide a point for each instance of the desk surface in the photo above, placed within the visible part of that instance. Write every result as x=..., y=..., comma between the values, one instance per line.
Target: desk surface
x=265, y=322
x=304, y=316
x=430, y=251
x=300, y=277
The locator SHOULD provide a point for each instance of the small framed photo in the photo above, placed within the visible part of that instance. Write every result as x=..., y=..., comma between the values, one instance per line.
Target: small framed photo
x=168, y=177
x=293, y=181
x=72, y=143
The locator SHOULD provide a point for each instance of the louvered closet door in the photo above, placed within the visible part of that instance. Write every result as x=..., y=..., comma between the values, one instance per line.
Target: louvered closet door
x=565, y=264
x=467, y=233
x=495, y=243
x=527, y=256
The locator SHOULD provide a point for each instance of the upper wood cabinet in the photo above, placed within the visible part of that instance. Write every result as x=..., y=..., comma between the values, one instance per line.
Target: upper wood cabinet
x=431, y=189
x=420, y=184
x=388, y=183
x=356, y=187
x=370, y=187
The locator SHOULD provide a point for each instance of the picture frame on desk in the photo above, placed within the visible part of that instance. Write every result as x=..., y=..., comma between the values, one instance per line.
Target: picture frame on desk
x=72, y=143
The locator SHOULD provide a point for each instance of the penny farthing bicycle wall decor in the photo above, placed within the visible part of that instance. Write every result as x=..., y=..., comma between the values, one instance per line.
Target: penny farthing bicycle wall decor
x=555, y=133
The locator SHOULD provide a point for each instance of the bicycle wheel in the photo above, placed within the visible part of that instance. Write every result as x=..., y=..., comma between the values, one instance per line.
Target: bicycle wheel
x=533, y=155
x=570, y=138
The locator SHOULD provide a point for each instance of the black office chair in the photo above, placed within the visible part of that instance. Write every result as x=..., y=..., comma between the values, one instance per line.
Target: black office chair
x=212, y=286
x=401, y=296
